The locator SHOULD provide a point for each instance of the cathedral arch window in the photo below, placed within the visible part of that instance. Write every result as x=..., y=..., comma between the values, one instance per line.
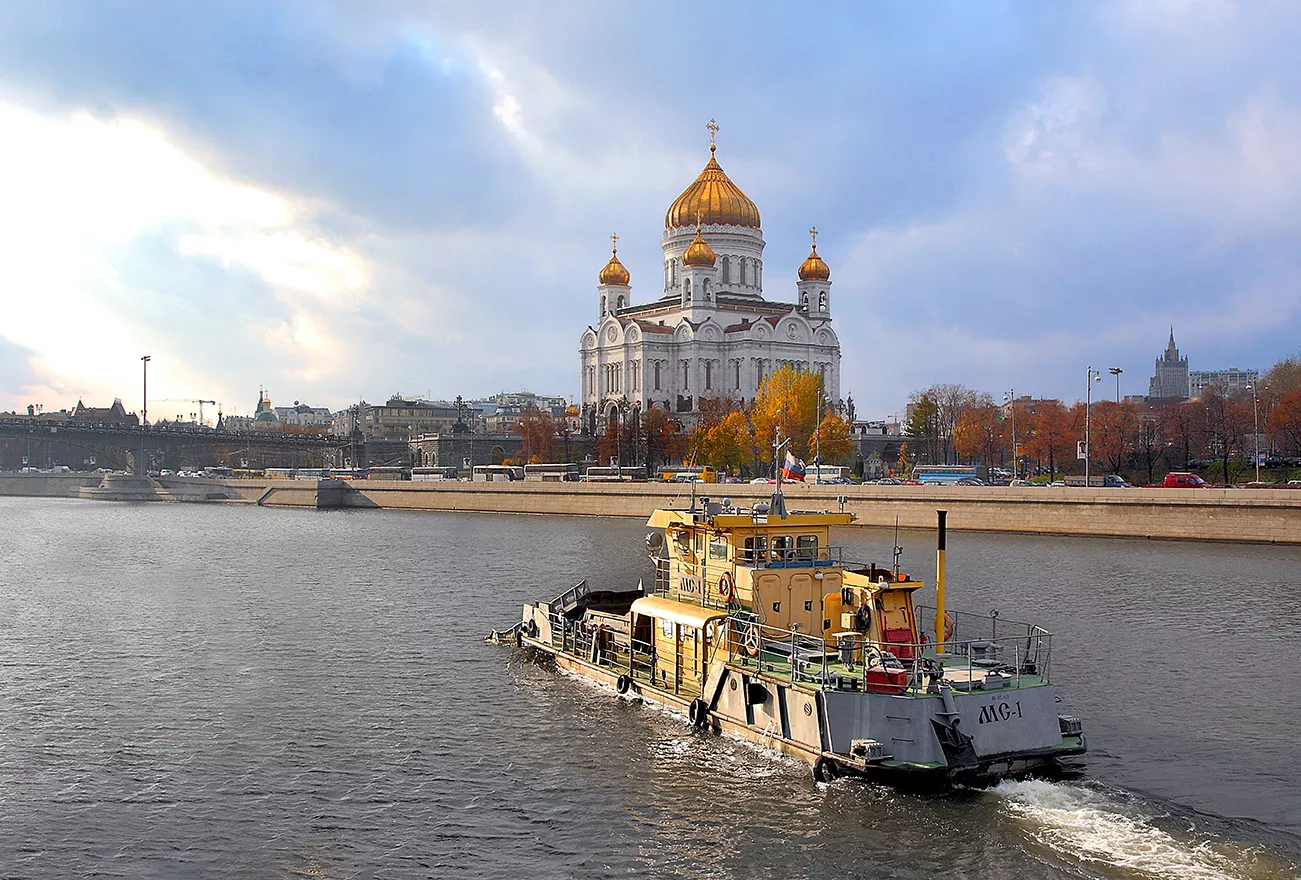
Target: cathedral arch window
x=619, y=303
x=727, y=270
x=603, y=309
x=804, y=301
x=686, y=291
x=686, y=375
x=657, y=375
x=822, y=301
x=742, y=261
x=737, y=366
x=709, y=375
x=758, y=273
x=706, y=284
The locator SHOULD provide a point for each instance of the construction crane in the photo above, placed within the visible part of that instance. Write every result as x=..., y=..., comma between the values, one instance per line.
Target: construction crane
x=191, y=400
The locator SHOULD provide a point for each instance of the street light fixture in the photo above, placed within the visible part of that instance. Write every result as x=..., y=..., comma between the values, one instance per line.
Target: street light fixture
x=1116, y=371
x=144, y=411
x=1255, y=412
x=1010, y=397
x=1090, y=376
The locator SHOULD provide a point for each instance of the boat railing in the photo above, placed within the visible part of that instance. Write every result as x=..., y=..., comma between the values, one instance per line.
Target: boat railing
x=849, y=661
x=985, y=630
x=791, y=557
x=621, y=652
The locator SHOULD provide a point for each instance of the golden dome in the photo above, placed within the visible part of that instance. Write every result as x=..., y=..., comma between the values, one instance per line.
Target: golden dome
x=614, y=271
x=712, y=198
x=813, y=269
x=699, y=253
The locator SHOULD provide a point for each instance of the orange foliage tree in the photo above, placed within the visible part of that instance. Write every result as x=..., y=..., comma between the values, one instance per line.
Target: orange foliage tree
x=787, y=399
x=1051, y=434
x=981, y=433
x=832, y=440
x=538, y=431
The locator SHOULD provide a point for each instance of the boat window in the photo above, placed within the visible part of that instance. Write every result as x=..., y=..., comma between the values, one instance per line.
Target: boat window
x=806, y=548
x=700, y=543
x=759, y=543
x=718, y=547
x=782, y=548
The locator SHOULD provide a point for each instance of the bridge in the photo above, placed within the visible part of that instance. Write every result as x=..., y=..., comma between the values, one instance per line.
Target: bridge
x=42, y=441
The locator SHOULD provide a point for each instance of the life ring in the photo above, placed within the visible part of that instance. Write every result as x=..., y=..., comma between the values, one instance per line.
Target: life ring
x=698, y=713
x=726, y=587
x=622, y=684
x=948, y=626
x=825, y=770
x=750, y=640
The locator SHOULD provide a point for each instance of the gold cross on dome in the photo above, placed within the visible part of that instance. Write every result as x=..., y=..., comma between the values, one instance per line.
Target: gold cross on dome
x=713, y=130
x=813, y=231
x=614, y=241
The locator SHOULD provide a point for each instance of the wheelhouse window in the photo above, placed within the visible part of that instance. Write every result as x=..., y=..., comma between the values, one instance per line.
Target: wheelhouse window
x=783, y=548
x=754, y=548
x=718, y=547
x=806, y=548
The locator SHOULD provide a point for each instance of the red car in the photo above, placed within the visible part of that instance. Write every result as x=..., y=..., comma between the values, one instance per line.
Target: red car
x=1181, y=480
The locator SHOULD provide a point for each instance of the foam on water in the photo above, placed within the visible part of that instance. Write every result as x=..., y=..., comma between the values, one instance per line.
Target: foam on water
x=1111, y=832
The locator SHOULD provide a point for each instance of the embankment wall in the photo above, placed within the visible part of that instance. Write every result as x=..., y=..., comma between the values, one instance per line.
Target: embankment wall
x=1257, y=515
x=1244, y=515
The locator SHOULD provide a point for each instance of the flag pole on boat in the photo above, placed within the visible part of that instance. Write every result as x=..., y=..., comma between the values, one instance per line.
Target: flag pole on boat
x=939, y=582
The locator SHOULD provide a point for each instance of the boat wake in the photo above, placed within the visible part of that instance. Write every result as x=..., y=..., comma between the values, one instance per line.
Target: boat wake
x=1120, y=835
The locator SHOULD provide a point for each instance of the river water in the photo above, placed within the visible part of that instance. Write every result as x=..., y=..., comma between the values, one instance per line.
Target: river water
x=205, y=690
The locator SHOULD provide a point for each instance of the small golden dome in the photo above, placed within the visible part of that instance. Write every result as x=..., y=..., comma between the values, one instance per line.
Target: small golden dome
x=614, y=271
x=712, y=198
x=813, y=269
x=699, y=253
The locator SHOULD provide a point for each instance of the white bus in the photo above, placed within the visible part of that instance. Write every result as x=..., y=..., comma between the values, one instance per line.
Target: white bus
x=427, y=474
x=551, y=473
x=497, y=473
x=625, y=474
x=826, y=473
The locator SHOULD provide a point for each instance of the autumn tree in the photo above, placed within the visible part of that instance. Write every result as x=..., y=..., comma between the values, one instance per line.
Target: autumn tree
x=726, y=444
x=537, y=430
x=832, y=440
x=788, y=399
x=980, y=433
x=1285, y=422
x=1114, y=430
x=922, y=425
x=1227, y=420
x=945, y=405
x=1051, y=434
x=664, y=438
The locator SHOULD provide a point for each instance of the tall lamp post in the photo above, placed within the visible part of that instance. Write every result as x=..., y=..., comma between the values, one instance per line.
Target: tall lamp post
x=1116, y=371
x=144, y=410
x=1010, y=397
x=1255, y=413
x=1090, y=376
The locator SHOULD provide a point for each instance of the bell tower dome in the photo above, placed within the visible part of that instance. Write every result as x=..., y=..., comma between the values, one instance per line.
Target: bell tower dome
x=814, y=285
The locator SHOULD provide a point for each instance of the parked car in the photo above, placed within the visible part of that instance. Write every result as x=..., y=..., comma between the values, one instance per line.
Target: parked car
x=1183, y=480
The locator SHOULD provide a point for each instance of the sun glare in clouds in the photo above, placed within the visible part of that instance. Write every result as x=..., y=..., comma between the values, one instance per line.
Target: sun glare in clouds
x=79, y=191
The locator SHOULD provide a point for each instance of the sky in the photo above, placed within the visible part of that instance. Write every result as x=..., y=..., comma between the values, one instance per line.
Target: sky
x=349, y=200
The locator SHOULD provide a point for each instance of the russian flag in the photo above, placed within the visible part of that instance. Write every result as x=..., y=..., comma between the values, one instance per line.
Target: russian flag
x=793, y=469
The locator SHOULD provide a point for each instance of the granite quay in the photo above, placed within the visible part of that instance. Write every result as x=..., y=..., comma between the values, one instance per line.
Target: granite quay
x=1239, y=515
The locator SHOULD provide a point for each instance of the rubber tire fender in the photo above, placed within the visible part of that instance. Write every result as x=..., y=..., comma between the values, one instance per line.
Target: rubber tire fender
x=622, y=684
x=698, y=713
x=825, y=770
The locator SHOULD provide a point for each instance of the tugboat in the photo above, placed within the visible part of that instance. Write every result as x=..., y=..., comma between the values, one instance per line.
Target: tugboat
x=756, y=626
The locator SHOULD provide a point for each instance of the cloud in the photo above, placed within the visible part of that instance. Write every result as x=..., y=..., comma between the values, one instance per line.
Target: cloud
x=349, y=199
x=83, y=193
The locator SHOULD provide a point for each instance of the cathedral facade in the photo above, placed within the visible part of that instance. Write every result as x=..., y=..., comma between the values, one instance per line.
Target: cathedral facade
x=710, y=332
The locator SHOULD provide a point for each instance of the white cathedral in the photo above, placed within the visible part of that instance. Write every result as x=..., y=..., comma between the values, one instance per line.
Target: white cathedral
x=711, y=333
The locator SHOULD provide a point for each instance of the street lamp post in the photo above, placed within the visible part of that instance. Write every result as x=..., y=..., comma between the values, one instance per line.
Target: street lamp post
x=817, y=441
x=1116, y=371
x=1255, y=413
x=1090, y=376
x=1010, y=397
x=144, y=409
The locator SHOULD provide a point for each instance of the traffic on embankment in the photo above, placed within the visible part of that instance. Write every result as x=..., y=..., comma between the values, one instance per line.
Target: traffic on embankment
x=1237, y=515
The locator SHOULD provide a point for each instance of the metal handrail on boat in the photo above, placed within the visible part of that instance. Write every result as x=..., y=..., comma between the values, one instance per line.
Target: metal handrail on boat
x=853, y=662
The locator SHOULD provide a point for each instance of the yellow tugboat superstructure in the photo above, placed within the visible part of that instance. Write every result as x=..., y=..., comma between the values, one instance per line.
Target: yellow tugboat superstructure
x=756, y=625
